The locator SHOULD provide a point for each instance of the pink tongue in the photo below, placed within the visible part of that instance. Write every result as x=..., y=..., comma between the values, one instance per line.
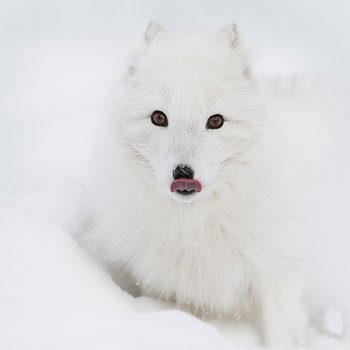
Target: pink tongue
x=184, y=184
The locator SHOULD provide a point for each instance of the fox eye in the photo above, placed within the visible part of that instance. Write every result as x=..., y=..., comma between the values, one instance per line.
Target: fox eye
x=216, y=121
x=159, y=118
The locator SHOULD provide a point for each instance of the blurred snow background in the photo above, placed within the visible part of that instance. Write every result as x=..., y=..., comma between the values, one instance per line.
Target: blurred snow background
x=58, y=63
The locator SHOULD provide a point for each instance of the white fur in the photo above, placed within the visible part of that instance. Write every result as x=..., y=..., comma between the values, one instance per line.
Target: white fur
x=236, y=249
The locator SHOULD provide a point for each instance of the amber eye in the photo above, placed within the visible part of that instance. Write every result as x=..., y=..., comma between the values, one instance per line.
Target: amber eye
x=159, y=118
x=216, y=121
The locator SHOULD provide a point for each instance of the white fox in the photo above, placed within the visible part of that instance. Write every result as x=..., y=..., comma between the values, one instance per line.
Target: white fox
x=202, y=168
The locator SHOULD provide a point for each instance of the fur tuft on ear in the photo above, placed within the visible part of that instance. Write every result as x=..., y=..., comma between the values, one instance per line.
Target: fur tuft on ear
x=231, y=30
x=153, y=31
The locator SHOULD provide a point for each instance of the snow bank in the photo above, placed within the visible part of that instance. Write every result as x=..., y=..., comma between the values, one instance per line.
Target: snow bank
x=53, y=296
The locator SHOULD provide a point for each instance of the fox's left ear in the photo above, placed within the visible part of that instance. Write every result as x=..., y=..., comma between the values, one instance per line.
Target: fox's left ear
x=232, y=33
x=233, y=38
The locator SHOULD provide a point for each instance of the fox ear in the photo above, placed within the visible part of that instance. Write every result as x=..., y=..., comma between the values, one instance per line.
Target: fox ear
x=153, y=31
x=232, y=36
x=152, y=34
x=232, y=33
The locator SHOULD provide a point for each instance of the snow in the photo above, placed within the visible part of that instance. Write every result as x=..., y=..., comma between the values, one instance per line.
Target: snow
x=58, y=64
x=54, y=296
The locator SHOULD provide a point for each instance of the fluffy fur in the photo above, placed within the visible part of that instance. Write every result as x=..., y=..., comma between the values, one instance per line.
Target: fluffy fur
x=236, y=248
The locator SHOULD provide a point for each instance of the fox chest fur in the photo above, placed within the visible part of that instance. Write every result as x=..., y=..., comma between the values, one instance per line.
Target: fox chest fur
x=205, y=258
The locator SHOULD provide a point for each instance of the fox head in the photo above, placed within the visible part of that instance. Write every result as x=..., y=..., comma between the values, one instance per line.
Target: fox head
x=189, y=112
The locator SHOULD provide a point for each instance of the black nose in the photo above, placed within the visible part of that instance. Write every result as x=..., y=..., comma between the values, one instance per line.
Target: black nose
x=183, y=171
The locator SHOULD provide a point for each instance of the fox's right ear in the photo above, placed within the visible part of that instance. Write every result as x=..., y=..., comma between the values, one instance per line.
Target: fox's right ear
x=153, y=32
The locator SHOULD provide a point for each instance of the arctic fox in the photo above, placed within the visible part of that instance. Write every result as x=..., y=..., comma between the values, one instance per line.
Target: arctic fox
x=199, y=205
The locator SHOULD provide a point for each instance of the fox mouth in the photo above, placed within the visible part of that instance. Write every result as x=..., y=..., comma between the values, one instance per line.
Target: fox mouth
x=185, y=187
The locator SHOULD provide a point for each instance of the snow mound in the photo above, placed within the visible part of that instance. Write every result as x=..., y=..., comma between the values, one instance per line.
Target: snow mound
x=53, y=296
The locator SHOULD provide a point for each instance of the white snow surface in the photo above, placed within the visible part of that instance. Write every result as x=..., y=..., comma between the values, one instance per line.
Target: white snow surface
x=54, y=296
x=58, y=63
